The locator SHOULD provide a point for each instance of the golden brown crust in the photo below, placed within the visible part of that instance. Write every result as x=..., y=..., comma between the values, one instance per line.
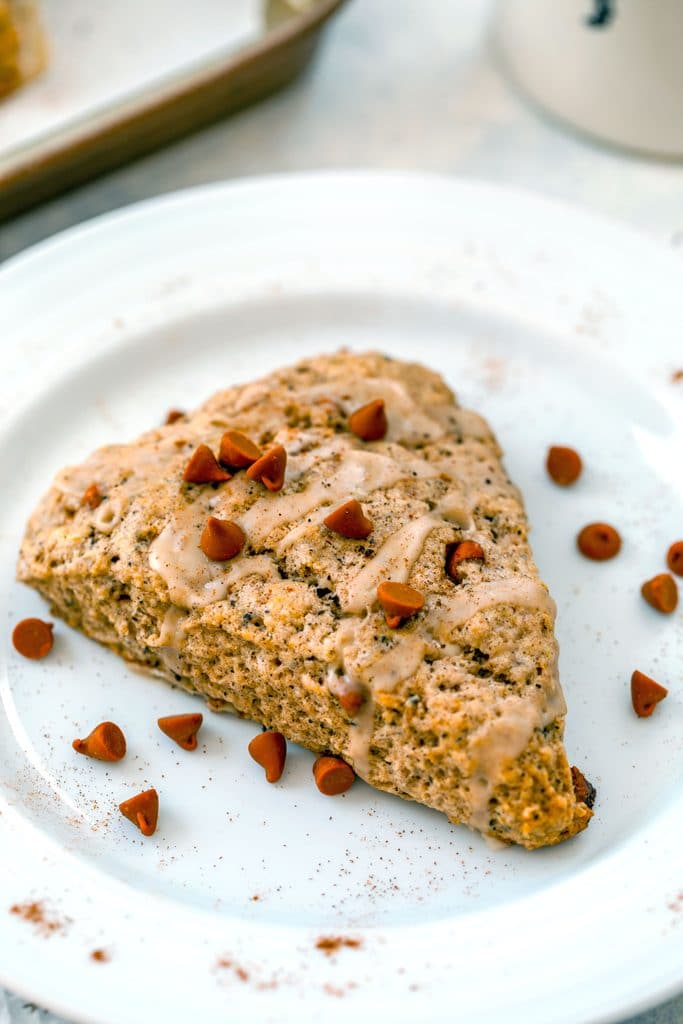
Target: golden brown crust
x=462, y=709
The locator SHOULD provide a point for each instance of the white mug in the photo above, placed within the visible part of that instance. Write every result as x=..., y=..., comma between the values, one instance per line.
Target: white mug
x=612, y=68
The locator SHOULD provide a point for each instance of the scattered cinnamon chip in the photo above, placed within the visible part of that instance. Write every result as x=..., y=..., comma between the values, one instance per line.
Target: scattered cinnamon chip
x=100, y=956
x=674, y=557
x=332, y=775
x=221, y=539
x=203, y=468
x=399, y=602
x=143, y=811
x=182, y=729
x=349, y=520
x=462, y=551
x=270, y=468
x=564, y=465
x=369, y=423
x=599, y=541
x=661, y=592
x=269, y=749
x=33, y=638
x=105, y=743
x=173, y=415
x=584, y=790
x=237, y=450
x=91, y=496
x=677, y=376
x=645, y=694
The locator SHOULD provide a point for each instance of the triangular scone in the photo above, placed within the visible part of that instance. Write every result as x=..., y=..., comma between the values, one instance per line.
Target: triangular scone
x=462, y=708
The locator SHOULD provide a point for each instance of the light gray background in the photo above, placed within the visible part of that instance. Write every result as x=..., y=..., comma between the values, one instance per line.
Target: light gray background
x=397, y=84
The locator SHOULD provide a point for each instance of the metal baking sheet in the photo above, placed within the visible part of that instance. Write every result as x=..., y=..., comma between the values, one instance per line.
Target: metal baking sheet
x=123, y=78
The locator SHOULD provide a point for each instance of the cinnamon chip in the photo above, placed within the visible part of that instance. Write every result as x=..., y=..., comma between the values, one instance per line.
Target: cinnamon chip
x=203, y=468
x=33, y=638
x=269, y=749
x=221, y=539
x=369, y=423
x=270, y=468
x=332, y=775
x=350, y=693
x=399, y=602
x=105, y=743
x=237, y=450
x=143, y=811
x=661, y=592
x=91, y=496
x=564, y=465
x=182, y=729
x=645, y=694
x=350, y=521
x=584, y=791
x=599, y=541
x=463, y=551
x=173, y=415
x=351, y=699
x=674, y=557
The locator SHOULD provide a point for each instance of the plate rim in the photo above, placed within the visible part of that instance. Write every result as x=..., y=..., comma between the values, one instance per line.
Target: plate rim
x=98, y=227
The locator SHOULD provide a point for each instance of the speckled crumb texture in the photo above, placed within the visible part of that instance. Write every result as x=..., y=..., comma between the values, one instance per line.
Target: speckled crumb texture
x=462, y=708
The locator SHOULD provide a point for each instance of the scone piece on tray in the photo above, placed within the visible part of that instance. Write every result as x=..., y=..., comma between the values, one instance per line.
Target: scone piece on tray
x=452, y=700
x=22, y=46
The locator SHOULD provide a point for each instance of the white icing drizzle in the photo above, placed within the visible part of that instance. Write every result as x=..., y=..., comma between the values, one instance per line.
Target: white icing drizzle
x=170, y=657
x=193, y=580
x=398, y=663
x=393, y=561
x=171, y=639
x=448, y=613
x=254, y=565
x=555, y=704
x=120, y=462
x=300, y=463
x=454, y=510
x=359, y=738
x=171, y=633
x=107, y=515
x=397, y=556
x=380, y=676
x=497, y=743
x=406, y=421
x=360, y=473
x=250, y=395
x=342, y=685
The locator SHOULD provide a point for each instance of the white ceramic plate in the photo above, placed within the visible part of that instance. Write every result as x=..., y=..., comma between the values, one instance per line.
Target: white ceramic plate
x=559, y=328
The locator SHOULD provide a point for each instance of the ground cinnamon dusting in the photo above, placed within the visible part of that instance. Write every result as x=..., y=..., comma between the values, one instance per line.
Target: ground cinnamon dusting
x=35, y=913
x=677, y=903
x=329, y=944
x=331, y=990
x=100, y=956
x=239, y=972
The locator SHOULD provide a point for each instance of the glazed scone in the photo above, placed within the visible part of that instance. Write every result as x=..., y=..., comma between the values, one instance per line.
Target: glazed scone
x=461, y=708
x=22, y=46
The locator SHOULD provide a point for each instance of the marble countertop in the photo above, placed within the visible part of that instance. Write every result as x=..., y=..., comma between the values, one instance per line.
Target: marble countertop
x=397, y=84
